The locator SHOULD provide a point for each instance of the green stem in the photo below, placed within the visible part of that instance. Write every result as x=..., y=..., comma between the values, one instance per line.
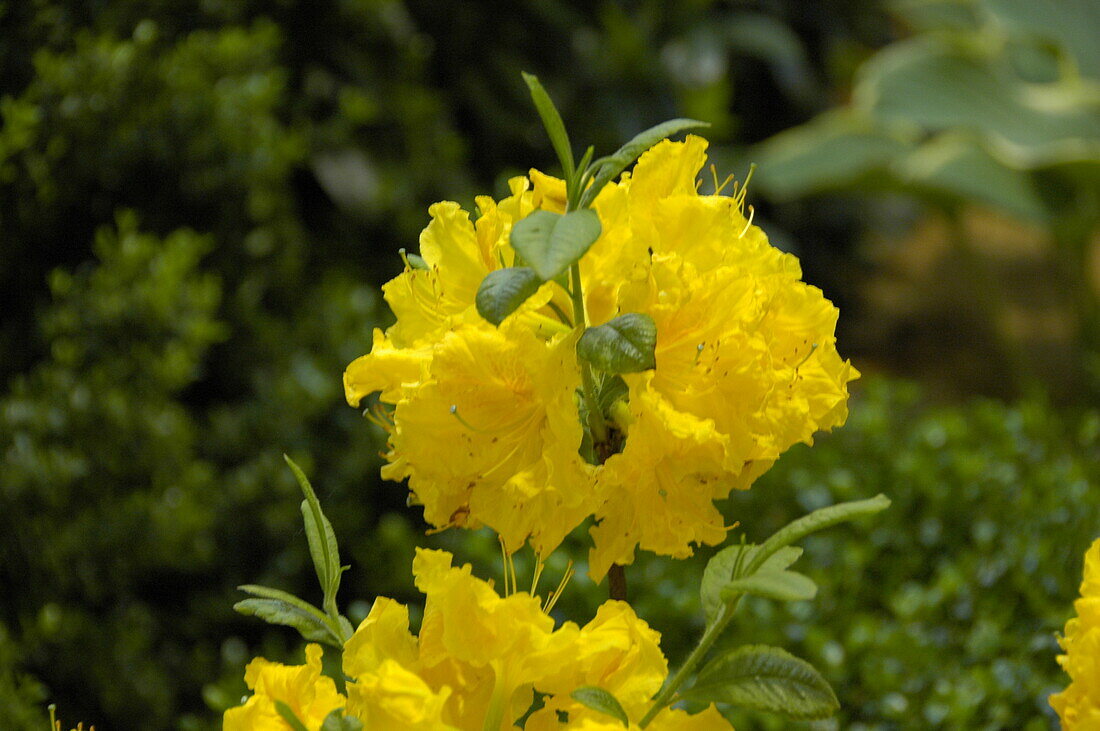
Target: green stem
x=716, y=628
x=596, y=421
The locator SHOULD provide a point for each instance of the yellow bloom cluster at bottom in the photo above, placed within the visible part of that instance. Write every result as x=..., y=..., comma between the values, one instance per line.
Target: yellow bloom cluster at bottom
x=1079, y=705
x=479, y=659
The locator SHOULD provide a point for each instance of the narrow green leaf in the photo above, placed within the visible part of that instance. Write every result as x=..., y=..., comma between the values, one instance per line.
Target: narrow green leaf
x=337, y=721
x=278, y=611
x=319, y=533
x=551, y=120
x=624, y=344
x=765, y=679
x=782, y=586
x=288, y=715
x=815, y=521
x=612, y=165
x=720, y=570
x=601, y=700
x=551, y=242
x=265, y=592
x=502, y=292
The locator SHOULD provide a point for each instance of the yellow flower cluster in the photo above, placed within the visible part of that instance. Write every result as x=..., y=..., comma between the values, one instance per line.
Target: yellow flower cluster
x=477, y=662
x=1079, y=704
x=484, y=421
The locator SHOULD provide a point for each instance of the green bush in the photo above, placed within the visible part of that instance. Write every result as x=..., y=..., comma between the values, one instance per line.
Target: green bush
x=942, y=611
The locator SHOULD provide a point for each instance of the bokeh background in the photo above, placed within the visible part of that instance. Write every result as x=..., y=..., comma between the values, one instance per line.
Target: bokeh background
x=199, y=200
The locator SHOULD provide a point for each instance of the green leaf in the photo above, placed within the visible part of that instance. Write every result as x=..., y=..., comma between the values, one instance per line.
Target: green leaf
x=288, y=715
x=624, y=344
x=265, y=592
x=782, y=586
x=289, y=614
x=319, y=533
x=833, y=151
x=938, y=85
x=337, y=721
x=720, y=570
x=600, y=700
x=815, y=521
x=504, y=290
x=765, y=678
x=958, y=166
x=551, y=120
x=551, y=242
x=609, y=167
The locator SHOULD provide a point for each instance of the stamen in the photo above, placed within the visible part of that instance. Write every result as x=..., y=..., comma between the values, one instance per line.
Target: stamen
x=539, y=566
x=748, y=223
x=512, y=567
x=504, y=565
x=813, y=347
x=468, y=425
x=553, y=598
x=745, y=186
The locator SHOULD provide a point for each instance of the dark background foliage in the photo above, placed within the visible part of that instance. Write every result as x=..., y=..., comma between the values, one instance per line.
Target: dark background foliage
x=198, y=201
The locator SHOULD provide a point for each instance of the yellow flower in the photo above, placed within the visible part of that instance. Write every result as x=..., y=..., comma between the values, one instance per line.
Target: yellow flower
x=307, y=693
x=1079, y=704
x=486, y=431
x=485, y=422
x=477, y=663
x=477, y=653
x=746, y=357
x=616, y=651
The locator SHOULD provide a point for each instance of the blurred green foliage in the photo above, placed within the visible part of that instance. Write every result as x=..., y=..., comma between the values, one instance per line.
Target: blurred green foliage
x=994, y=102
x=197, y=203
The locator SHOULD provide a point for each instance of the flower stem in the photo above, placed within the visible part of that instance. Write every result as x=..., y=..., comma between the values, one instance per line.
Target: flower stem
x=596, y=423
x=713, y=631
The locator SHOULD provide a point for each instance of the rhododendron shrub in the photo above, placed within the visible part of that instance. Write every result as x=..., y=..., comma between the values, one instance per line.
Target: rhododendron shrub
x=610, y=348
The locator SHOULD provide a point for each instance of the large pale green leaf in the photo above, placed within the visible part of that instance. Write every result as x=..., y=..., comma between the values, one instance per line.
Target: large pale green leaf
x=956, y=165
x=624, y=344
x=1073, y=26
x=722, y=568
x=835, y=150
x=551, y=242
x=937, y=15
x=502, y=292
x=938, y=85
x=608, y=168
x=765, y=678
x=601, y=700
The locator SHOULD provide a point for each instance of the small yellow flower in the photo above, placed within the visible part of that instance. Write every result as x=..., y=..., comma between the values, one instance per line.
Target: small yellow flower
x=1079, y=704
x=478, y=654
x=308, y=694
